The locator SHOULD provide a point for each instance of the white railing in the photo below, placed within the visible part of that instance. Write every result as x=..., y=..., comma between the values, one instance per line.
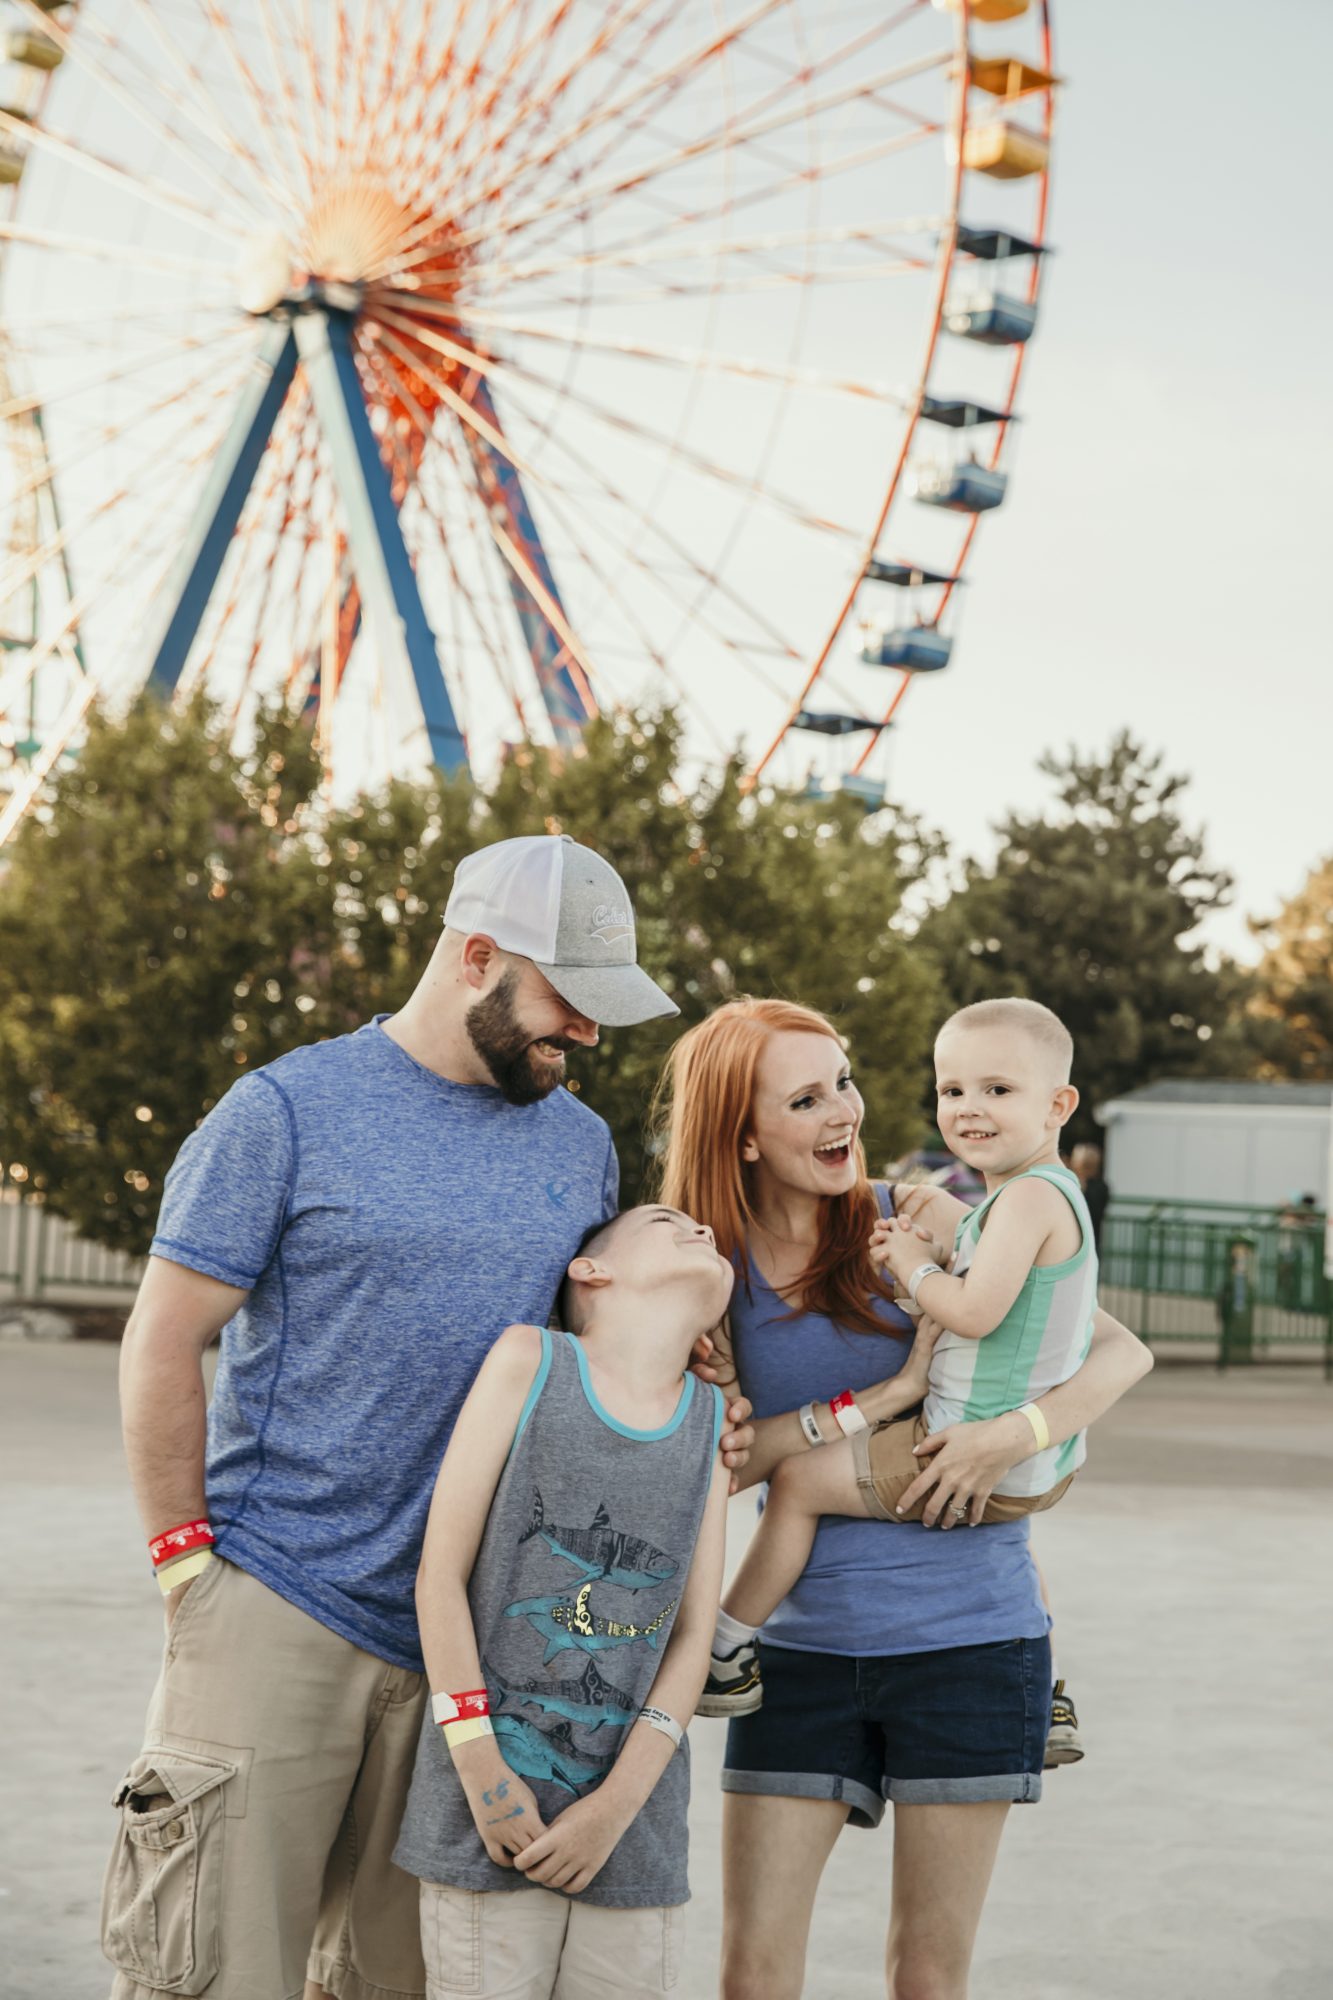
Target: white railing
x=43, y=1258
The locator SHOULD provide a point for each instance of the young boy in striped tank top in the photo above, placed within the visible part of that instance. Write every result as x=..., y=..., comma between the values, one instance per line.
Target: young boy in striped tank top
x=1017, y=1303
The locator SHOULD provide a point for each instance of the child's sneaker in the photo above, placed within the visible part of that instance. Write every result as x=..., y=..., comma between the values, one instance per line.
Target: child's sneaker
x=734, y=1686
x=1063, y=1743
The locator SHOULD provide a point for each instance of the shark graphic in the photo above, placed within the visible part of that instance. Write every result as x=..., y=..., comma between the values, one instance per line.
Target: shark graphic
x=567, y=1622
x=601, y=1552
x=590, y=1701
x=549, y=1754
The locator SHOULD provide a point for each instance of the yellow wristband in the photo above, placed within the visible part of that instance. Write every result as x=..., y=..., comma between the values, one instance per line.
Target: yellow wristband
x=1038, y=1423
x=181, y=1572
x=464, y=1732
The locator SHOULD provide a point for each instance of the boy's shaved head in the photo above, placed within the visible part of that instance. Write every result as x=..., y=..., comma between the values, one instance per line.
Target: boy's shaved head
x=571, y=1305
x=1023, y=1017
x=644, y=1250
x=600, y=1234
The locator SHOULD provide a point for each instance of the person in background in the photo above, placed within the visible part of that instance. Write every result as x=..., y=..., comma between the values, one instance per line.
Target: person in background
x=1086, y=1161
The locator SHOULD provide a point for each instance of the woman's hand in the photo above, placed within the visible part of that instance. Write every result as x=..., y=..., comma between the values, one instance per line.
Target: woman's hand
x=915, y=1371
x=737, y=1440
x=964, y=1464
x=507, y=1815
x=573, y=1849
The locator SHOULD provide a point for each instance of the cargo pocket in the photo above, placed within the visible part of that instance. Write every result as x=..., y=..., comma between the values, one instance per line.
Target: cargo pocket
x=162, y=1894
x=451, y=1939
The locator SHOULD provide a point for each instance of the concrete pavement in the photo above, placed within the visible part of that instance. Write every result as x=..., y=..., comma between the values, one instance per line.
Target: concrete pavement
x=1186, y=1859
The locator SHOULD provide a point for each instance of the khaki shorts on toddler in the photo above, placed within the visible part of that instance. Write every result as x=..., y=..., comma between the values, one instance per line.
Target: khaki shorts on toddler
x=885, y=1468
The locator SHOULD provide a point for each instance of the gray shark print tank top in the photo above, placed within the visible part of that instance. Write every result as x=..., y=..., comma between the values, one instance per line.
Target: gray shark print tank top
x=574, y=1593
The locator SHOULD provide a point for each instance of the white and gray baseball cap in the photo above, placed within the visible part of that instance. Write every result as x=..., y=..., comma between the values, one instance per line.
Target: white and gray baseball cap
x=547, y=898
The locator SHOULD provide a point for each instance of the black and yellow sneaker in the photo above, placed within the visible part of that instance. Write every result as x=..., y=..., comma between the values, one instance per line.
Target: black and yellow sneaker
x=734, y=1685
x=1063, y=1743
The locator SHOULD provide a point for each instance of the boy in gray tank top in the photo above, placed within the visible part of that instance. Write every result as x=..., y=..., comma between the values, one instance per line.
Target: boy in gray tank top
x=566, y=1597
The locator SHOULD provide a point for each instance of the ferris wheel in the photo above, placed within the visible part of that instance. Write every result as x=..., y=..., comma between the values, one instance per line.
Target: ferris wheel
x=459, y=368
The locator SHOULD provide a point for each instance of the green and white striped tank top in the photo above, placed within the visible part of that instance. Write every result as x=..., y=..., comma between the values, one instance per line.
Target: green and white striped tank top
x=1042, y=1340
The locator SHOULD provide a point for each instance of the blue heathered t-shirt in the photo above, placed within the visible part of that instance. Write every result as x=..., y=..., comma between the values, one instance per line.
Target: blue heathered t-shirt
x=876, y=1587
x=389, y=1224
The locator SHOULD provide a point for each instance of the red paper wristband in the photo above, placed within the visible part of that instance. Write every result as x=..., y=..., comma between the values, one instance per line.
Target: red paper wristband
x=468, y=1707
x=180, y=1541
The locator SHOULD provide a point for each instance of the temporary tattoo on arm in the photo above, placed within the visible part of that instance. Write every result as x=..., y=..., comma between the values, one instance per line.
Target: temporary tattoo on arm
x=516, y=1812
x=501, y=1792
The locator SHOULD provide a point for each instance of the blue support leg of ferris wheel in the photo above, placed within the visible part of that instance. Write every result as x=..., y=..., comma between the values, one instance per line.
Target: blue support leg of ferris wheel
x=219, y=509
x=568, y=707
x=395, y=614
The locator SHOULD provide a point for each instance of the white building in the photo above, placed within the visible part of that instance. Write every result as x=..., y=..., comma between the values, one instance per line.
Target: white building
x=1254, y=1144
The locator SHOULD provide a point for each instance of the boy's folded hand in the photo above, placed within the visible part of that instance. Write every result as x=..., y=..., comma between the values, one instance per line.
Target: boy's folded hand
x=902, y=1247
x=507, y=1815
x=573, y=1849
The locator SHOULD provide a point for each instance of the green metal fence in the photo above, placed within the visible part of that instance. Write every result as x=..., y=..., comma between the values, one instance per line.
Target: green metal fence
x=1248, y=1281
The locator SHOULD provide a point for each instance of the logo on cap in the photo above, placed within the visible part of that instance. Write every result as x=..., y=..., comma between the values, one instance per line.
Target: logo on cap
x=610, y=924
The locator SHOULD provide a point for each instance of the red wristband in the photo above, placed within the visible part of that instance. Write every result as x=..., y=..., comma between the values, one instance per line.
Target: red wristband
x=468, y=1707
x=180, y=1541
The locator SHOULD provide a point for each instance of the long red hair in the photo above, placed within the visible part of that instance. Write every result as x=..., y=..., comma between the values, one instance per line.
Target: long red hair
x=704, y=1107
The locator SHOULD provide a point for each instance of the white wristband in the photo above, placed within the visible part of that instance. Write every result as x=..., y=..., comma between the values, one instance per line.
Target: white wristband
x=922, y=1271
x=657, y=1718
x=848, y=1415
x=806, y=1414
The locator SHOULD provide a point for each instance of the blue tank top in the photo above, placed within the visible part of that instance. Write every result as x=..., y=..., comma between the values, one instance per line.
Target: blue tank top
x=876, y=1586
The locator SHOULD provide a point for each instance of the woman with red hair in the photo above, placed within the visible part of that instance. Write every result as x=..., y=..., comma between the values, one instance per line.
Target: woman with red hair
x=909, y=1665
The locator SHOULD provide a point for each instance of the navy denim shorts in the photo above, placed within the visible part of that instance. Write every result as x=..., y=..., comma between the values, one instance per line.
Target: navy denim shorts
x=940, y=1728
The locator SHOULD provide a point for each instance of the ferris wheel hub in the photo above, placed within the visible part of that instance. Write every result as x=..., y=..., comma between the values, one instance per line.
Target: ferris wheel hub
x=352, y=230
x=354, y=226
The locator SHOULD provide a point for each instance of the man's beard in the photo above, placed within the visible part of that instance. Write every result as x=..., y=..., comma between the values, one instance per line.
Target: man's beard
x=505, y=1047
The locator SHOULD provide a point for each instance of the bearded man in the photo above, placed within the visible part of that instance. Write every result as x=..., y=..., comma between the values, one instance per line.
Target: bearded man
x=359, y=1220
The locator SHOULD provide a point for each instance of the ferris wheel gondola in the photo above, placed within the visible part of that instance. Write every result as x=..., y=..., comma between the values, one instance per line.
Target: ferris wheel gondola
x=460, y=370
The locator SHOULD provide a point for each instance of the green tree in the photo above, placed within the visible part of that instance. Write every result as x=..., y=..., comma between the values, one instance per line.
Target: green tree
x=1093, y=907
x=1293, y=1003
x=133, y=918
x=185, y=912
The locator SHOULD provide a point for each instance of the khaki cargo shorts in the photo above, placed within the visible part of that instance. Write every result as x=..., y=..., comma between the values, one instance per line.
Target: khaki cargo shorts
x=255, y=1826
x=885, y=1468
